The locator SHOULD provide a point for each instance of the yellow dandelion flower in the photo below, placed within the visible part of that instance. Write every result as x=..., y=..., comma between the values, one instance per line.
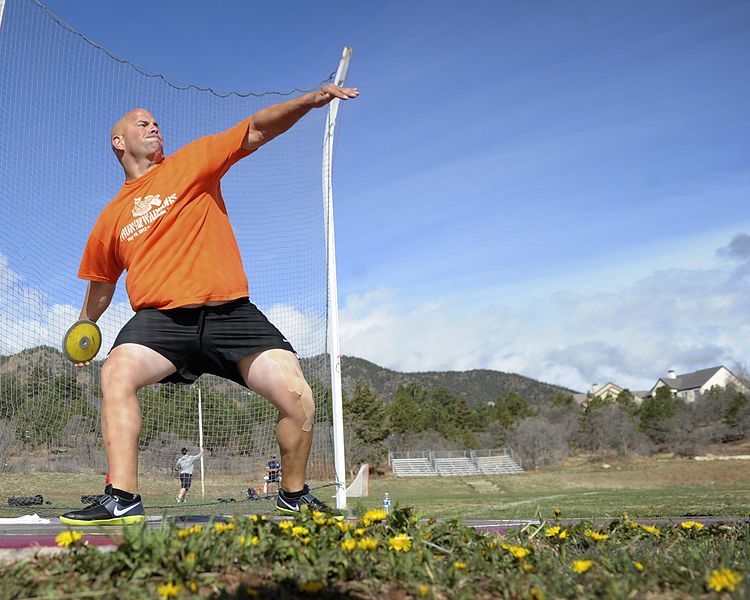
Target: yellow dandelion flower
x=557, y=512
x=424, y=589
x=299, y=531
x=367, y=544
x=692, y=525
x=193, y=586
x=581, y=566
x=286, y=524
x=360, y=531
x=552, y=531
x=652, y=529
x=527, y=567
x=724, y=579
x=517, y=551
x=563, y=534
x=312, y=587
x=595, y=535
x=305, y=540
x=344, y=527
x=254, y=541
x=460, y=566
x=349, y=545
x=67, y=538
x=183, y=533
x=222, y=527
x=400, y=543
x=168, y=590
x=535, y=593
x=320, y=519
x=373, y=516
x=638, y=565
x=190, y=558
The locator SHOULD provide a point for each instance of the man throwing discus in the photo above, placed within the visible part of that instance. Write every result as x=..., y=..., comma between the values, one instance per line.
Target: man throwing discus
x=168, y=228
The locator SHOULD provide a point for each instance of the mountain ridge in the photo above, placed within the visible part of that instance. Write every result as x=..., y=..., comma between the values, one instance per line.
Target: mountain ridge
x=477, y=386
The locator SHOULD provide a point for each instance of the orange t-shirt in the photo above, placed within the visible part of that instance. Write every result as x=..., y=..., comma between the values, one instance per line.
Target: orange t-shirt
x=170, y=230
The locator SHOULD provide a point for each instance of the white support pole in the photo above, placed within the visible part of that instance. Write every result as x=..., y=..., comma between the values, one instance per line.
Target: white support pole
x=333, y=300
x=2, y=11
x=200, y=439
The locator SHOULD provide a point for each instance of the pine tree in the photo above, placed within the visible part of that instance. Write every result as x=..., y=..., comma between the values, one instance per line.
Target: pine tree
x=366, y=427
x=404, y=411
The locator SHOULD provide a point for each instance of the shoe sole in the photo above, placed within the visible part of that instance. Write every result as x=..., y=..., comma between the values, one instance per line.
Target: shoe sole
x=286, y=511
x=129, y=520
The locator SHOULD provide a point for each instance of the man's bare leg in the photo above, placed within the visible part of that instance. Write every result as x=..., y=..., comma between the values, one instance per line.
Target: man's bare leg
x=276, y=375
x=128, y=368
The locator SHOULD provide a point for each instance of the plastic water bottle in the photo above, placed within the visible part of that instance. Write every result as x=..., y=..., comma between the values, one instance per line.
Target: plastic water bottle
x=387, y=503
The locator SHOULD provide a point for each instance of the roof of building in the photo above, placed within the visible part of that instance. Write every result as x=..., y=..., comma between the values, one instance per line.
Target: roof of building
x=690, y=381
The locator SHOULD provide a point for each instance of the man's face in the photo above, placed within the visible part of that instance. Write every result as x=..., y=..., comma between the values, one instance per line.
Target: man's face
x=137, y=133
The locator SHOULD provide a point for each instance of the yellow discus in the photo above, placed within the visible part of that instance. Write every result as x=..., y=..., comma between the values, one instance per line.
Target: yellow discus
x=82, y=341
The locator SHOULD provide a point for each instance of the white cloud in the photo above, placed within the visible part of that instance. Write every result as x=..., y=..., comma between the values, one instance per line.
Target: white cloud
x=28, y=318
x=306, y=333
x=684, y=319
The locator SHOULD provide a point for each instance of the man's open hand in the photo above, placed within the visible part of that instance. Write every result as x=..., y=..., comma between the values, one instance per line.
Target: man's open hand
x=330, y=91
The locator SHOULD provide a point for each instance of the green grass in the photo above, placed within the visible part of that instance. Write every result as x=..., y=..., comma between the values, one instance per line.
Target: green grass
x=261, y=558
x=641, y=487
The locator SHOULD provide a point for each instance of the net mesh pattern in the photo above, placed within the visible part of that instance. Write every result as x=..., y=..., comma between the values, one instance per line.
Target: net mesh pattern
x=59, y=96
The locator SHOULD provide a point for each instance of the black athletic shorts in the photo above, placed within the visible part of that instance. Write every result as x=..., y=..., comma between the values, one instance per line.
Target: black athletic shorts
x=207, y=339
x=185, y=480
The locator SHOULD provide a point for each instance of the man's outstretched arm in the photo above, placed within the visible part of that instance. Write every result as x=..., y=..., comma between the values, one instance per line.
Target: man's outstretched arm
x=274, y=120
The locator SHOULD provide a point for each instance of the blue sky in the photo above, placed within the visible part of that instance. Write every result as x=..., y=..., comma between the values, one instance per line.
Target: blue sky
x=554, y=189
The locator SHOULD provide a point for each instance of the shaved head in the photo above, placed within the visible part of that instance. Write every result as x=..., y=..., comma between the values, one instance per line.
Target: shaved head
x=136, y=140
x=119, y=127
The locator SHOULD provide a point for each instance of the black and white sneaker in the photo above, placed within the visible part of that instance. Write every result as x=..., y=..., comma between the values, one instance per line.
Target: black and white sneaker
x=307, y=501
x=108, y=509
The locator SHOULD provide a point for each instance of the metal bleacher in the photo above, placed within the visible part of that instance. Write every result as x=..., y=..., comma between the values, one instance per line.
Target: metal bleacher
x=455, y=467
x=463, y=463
x=413, y=467
x=499, y=465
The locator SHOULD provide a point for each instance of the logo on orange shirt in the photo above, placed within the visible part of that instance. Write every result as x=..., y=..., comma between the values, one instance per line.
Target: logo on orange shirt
x=143, y=205
x=146, y=210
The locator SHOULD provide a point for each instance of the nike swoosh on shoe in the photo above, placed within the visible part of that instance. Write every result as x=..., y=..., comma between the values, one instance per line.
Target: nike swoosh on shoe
x=294, y=507
x=119, y=513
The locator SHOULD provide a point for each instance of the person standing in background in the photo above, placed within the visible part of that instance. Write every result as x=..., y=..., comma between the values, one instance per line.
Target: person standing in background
x=185, y=465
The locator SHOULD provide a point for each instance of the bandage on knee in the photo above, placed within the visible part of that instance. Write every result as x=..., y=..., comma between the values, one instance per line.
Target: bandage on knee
x=296, y=383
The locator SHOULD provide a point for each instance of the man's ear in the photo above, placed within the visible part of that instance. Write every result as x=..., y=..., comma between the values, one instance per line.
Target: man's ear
x=118, y=142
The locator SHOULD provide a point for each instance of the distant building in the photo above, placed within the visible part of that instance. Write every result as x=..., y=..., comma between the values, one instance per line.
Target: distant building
x=611, y=390
x=608, y=389
x=690, y=386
